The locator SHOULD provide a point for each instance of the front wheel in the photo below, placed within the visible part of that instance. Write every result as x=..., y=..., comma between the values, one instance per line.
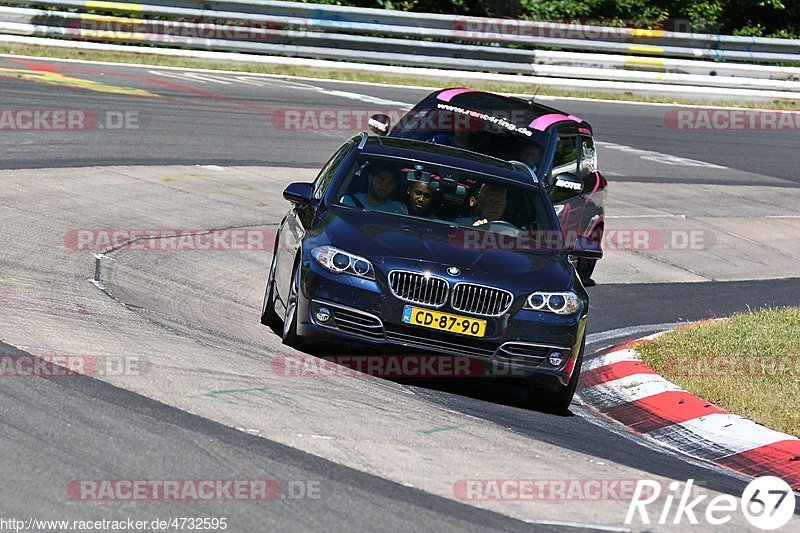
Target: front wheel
x=268, y=315
x=290, y=336
x=558, y=402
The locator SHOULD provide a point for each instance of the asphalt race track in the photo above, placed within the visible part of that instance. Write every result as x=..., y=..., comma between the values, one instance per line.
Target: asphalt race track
x=171, y=148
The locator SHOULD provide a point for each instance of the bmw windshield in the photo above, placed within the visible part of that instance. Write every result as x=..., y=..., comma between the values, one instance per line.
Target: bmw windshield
x=443, y=194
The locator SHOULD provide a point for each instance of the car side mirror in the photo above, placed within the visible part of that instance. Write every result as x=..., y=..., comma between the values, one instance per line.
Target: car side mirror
x=379, y=124
x=299, y=193
x=586, y=248
x=567, y=182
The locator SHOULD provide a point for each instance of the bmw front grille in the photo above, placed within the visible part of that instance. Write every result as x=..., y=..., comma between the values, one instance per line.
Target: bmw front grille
x=480, y=299
x=419, y=288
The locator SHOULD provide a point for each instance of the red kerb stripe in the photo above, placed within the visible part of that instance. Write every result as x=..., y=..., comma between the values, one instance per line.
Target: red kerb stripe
x=602, y=374
x=780, y=459
x=661, y=410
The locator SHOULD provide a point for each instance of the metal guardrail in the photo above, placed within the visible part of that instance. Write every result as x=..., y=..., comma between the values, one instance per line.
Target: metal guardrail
x=466, y=28
x=449, y=22
x=438, y=21
x=418, y=40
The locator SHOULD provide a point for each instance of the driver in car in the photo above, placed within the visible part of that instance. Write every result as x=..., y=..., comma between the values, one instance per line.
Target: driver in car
x=491, y=202
x=382, y=183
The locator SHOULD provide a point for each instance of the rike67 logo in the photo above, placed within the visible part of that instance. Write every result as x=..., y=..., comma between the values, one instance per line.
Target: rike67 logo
x=767, y=503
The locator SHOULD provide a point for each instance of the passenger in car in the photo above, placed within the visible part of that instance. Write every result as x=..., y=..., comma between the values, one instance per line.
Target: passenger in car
x=419, y=200
x=382, y=183
x=492, y=200
x=530, y=154
x=462, y=136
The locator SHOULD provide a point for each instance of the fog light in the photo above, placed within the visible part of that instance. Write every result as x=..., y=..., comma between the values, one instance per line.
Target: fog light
x=323, y=314
x=555, y=358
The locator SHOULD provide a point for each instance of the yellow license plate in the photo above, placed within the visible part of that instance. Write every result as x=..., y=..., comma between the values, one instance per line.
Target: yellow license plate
x=426, y=318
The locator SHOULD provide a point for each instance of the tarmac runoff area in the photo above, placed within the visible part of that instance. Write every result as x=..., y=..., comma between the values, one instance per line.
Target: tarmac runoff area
x=190, y=318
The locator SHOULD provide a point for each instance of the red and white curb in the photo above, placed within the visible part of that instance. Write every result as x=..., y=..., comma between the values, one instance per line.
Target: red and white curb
x=624, y=389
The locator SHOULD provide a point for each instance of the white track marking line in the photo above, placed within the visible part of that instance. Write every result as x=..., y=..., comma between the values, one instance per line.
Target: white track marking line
x=630, y=331
x=257, y=83
x=654, y=336
x=594, y=527
x=647, y=216
x=191, y=76
x=173, y=75
x=658, y=157
x=365, y=98
x=355, y=96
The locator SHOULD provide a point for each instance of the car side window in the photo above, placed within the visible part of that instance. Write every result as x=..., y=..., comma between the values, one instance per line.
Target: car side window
x=326, y=174
x=565, y=158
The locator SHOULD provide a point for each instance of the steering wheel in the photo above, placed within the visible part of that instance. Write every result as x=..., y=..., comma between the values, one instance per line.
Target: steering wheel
x=501, y=226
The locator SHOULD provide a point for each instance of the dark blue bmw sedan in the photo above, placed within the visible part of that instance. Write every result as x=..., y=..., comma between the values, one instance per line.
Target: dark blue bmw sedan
x=408, y=246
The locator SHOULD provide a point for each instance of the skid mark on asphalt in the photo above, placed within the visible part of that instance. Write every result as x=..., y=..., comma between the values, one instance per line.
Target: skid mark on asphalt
x=39, y=70
x=265, y=397
x=42, y=296
x=63, y=75
x=259, y=397
x=41, y=304
x=437, y=429
x=227, y=79
x=247, y=80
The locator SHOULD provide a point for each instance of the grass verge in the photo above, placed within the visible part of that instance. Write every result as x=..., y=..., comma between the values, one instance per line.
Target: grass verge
x=748, y=364
x=351, y=75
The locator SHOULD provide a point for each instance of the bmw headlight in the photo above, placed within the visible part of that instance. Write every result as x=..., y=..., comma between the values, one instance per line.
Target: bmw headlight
x=560, y=303
x=341, y=262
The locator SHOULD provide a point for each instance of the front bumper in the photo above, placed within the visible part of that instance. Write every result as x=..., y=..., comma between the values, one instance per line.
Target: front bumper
x=366, y=318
